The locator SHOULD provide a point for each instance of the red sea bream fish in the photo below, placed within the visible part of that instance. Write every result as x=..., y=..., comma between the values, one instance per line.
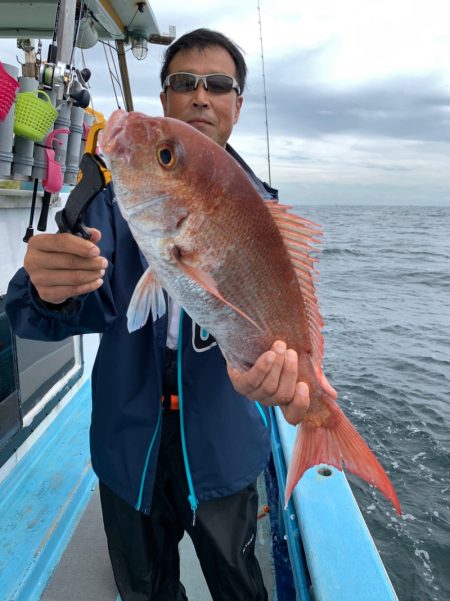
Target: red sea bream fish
x=240, y=266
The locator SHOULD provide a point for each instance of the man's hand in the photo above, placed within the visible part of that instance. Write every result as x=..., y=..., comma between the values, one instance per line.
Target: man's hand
x=61, y=266
x=273, y=381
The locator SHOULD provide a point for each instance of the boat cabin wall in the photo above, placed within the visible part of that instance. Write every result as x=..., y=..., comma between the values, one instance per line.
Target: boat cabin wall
x=36, y=377
x=42, y=137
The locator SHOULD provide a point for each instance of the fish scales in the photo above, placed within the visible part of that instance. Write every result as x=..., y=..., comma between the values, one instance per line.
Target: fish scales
x=241, y=267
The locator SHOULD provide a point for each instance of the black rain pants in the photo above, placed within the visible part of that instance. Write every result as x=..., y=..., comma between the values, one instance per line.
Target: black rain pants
x=144, y=548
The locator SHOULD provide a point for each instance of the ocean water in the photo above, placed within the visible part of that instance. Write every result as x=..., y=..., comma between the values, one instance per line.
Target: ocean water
x=384, y=292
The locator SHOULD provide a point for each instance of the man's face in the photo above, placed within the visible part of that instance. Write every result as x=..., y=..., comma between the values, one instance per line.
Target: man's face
x=212, y=114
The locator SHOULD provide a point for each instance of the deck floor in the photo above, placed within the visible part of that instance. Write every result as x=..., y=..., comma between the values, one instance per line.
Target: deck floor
x=84, y=571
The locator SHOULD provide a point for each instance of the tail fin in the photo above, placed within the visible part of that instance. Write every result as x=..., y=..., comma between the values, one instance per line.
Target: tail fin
x=339, y=442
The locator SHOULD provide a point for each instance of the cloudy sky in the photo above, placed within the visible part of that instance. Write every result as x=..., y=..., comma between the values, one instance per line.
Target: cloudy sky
x=358, y=93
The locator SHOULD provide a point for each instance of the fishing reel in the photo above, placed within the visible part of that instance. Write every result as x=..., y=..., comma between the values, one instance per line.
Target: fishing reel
x=68, y=83
x=55, y=76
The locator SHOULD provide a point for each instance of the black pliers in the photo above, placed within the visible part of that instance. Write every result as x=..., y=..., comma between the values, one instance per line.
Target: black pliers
x=95, y=176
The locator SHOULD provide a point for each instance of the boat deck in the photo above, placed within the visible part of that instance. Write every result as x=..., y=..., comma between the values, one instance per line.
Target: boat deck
x=84, y=571
x=53, y=543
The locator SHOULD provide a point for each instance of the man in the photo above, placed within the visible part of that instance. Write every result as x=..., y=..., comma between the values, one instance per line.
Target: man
x=164, y=470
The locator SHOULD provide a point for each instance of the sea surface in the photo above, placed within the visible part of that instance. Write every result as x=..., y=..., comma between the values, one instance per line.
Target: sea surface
x=384, y=292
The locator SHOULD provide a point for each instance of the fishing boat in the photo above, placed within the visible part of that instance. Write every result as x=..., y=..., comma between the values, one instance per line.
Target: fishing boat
x=52, y=545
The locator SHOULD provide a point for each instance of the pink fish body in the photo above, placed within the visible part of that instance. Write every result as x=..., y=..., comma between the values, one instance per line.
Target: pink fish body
x=241, y=268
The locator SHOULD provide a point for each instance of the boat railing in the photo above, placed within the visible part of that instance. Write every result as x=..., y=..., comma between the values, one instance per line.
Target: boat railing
x=324, y=524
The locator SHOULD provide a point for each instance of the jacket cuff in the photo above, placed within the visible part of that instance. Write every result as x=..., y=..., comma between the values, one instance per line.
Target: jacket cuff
x=69, y=307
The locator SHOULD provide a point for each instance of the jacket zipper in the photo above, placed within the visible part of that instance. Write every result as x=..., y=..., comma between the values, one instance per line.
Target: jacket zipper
x=193, y=501
x=262, y=413
x=147, y=459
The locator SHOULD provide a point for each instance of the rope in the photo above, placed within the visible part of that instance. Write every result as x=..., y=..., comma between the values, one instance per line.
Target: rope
x=111, y=74
x=128, y=26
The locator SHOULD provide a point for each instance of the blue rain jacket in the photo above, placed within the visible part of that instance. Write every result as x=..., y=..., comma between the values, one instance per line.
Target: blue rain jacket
x=227, y=437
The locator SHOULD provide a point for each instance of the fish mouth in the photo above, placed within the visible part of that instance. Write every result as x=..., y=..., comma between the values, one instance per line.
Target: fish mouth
x=122, y=127
x=112, y=130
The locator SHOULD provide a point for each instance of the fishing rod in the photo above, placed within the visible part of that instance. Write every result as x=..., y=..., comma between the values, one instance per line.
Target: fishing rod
x=265, y=92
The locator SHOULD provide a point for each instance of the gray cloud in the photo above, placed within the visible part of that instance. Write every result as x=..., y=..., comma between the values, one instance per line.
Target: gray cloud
x=407, y=107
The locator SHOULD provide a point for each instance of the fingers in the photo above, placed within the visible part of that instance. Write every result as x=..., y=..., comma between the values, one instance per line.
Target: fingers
x=248, y=382
x=273, y=381
x=95, y=235
x=272, y=378
x=58, y=294
x=57, y=263
x=278, y=387
x=66, y=243
x=62, y=265
x=295, y=411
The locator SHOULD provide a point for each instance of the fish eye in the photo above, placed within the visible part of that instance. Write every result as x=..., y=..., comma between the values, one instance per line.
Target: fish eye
x=166, y=157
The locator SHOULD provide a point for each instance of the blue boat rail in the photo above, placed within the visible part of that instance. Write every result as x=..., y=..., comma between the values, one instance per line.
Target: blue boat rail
x=324, y=525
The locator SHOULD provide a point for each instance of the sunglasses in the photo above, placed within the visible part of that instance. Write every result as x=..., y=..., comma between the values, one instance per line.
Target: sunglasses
x=217, y=83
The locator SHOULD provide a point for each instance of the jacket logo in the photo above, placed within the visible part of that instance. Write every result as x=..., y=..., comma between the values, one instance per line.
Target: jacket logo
x=201, y=339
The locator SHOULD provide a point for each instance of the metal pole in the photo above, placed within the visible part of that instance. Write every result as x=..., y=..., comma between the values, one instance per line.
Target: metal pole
x=66, y=30
x=265, y=94
x=128, y=100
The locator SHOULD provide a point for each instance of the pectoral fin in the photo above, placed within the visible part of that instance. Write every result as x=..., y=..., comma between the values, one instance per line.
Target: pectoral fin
x=206, y=281
x=147, y=296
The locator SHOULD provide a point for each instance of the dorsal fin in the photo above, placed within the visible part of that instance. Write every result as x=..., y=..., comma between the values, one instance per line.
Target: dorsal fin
x=302, y=236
